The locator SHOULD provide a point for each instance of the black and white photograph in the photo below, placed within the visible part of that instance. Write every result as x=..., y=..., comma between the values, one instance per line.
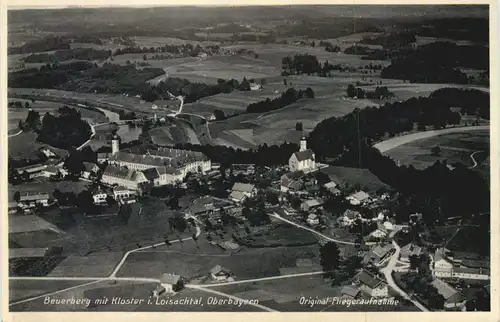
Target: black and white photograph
x=294, y=158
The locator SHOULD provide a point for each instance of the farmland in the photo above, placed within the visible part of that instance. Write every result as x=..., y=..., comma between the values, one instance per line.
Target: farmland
x=251, y=263
x=455, y=147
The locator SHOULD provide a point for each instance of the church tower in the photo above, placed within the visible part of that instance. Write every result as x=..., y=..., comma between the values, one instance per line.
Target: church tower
x=303, y=143
x=115, y=144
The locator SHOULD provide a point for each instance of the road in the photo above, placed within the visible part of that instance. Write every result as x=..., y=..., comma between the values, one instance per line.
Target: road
x=270, y=278
x=16, y=134
x=392, y=143
x=312, y=231
x=120, y=264
x=391, y=267
x=474, y=160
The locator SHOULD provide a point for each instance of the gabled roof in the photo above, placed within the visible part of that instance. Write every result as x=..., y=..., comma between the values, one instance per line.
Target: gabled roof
x=360, y=195
x=122, y=173
x=33, y=196
x=444, y=288
x=350, y=290
x=219, y=269
x=237, y=195
x=382, y=251
x=351, y=214
x=410, y=249
x=304, y=155
x=151, y=174
x=89, y=166
x=169, y=278
x=369, y=279
x=313, y=203
x=243, y=187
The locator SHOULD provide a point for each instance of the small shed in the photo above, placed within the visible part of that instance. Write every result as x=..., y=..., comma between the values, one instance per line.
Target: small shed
x=171, y=282
x=220, y=273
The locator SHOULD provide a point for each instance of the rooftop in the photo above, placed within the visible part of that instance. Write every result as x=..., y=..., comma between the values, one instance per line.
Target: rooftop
x=243, y=187
x=444, y=288
x=369, y=279
x=122, y=173
x=350, y=290
x=33, y=196
x=218, y=269
x=169, y=278
x=360, y=195
x=304, y=155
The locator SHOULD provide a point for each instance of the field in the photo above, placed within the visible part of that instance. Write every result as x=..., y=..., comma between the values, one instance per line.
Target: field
x=248, y=263
x=95, y=265
x=175, y=131
x=455, y=147
x=21, y=289
x=354, y=176
x=282, y=235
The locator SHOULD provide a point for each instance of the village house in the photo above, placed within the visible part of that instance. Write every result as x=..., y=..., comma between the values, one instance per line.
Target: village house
x=379, y=255
x=255, y=87
x=304, y=159
x=349, y=217
x=48, y=153
x=291, y=181
x=51, y=171
x=127, y=178
x=99, y=197
x=313, y=219
x=13, y=207
x=171, y=283
x=242, y=191
x=409, y=250
x=31, y=200
x=350, y=291
x=220, y=273
x=32, y=171
x=332, y=188
x=310, y=205
x=452, y=297
x=358, y=198
x=371, y=284
x=89, y=170
x=124, y=194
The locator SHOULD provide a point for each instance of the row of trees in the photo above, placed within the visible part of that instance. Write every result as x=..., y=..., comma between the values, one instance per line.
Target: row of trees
x=40, y=45
x=182, y=49
x=380, y=92
x=70, y=54
x=290, y=96
x=309, y=64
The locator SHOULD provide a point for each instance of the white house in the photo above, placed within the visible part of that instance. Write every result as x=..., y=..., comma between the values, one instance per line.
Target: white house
x=171, y=282
x=313, y=220
x=89, y=170
x=311, y=204
x=220, y=273
x=304, y=159
x=31, y=200
x=349, y=216
x=409, y=250
x=358, y=198
x=99, y=197
x=371, y=284
x=127, y=178
x=242, y=191
x=255, y=87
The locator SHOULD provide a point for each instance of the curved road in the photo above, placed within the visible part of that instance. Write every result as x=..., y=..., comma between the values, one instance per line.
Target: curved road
x=392, y=143
x=474, y=160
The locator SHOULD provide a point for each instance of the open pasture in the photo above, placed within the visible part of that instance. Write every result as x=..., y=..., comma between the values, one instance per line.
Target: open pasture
x=455, y=147
x=25, y=146
x=95, y=265
x=48, y=186
x=22, y=289
x=248, y=263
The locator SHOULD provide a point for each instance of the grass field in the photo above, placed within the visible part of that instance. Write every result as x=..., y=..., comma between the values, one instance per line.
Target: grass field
x=455, y=147
x=96, y=265
x=251, y=263
x=282, y=235
x=22, y=289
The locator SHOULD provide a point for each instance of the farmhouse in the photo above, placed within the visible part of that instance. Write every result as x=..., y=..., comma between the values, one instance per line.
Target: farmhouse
x=50, y=171
x=99, y=197
x=304, y=159
x=313, y=220
x=13, y=207
x=378, y=255
x=172, y=165
x=123, y=177
x=350, y=291
x=242, y=191
x=291, y=181
x=312, y=204
x=32, y=171
x=358, y=197
x=409, y=250
x=220, y=273
x=332, y=188
x=89, y=170
x=451, y=296
x=171, y=282
x=349, y=217
x=371, y=284
x=31, y=200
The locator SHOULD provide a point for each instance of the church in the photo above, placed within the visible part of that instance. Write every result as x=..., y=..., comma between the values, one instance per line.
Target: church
x=303, y=160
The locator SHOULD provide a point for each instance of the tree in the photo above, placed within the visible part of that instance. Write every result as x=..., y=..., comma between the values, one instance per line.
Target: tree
x=414, y=262
x=285, y=82
x=27, y=104
x=298, y=126
x=219, y=115
x=436, y=150
x=245, y=85
x=17, y=196
x=436, y=301
x=329, y=258
x=144, y=57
